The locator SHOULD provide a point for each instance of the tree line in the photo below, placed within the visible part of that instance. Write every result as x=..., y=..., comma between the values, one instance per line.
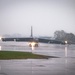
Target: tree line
x=64, y=36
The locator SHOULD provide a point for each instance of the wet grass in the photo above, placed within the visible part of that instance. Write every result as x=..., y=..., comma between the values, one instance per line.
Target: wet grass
x=20, y=55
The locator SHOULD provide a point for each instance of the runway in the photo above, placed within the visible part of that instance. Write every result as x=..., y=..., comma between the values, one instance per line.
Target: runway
x=64, y=65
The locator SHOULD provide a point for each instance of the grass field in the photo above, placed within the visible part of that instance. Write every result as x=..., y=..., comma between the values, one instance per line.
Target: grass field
x=20, y=55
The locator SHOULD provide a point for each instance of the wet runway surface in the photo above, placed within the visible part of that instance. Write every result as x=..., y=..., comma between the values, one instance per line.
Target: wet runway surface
x=64, y=65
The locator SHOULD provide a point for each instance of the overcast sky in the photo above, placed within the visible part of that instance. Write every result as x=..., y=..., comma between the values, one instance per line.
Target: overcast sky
x=46, y=16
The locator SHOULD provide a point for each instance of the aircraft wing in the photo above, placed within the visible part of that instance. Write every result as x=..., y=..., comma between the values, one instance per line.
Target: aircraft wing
x=17, y=39
x=29, y=39
x=50, y=41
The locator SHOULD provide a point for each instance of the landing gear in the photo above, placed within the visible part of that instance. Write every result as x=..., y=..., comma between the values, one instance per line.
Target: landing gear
x=33, y=44
x=36, y=45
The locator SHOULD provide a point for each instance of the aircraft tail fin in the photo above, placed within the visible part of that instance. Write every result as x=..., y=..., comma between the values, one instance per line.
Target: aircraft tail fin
x=31, y=31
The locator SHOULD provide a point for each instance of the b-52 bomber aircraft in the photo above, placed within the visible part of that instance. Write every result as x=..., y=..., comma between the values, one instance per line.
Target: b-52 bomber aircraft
x=31, y=40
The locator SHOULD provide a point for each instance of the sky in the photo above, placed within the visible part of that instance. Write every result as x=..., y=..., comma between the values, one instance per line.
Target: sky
x=45, y=16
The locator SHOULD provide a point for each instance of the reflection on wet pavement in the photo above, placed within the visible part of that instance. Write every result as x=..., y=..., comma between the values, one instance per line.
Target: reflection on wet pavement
x=65, y=65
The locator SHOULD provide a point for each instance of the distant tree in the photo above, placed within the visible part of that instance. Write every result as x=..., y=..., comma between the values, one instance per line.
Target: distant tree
x=63, y=36
x=59, y=35
x=70, y=37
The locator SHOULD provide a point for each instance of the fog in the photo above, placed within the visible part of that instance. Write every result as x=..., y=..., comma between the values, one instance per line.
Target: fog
x=46, y=16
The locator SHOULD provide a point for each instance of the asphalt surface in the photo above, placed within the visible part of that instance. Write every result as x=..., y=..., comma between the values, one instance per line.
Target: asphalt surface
x=64, y=65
